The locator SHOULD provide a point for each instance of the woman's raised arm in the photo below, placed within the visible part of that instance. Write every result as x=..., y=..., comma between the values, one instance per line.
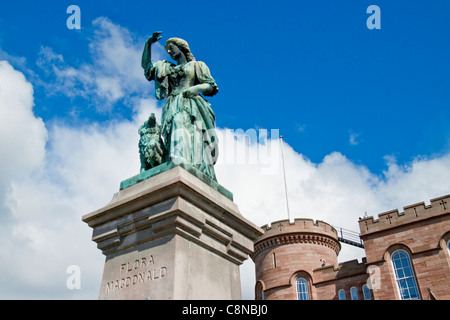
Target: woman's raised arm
x=147, y=54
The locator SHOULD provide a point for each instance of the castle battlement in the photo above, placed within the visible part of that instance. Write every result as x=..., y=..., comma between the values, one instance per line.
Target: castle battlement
x=299, y=225
x=412, y=213
x=301, y=230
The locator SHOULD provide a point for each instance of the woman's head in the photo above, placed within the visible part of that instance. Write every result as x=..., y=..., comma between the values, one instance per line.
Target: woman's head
x=182, y=45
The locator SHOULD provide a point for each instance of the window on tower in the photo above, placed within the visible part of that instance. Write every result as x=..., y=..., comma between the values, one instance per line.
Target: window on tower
x=366, y=292
x=353, y=293
x=302, y=289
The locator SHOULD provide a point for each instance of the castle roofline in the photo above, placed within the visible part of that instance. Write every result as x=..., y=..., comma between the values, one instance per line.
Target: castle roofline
x=297, y=223
x=411, y=213
x=301, y=230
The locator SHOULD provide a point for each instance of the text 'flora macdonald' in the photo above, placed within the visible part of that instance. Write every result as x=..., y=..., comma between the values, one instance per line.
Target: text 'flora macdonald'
x=139, y=271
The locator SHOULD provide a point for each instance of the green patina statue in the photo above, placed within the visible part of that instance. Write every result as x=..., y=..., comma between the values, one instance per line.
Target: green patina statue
x=187, y=122
x=187, y=135
x=151, y=146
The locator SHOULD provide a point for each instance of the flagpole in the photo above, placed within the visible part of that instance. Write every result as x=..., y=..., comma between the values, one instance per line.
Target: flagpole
x=285, y=184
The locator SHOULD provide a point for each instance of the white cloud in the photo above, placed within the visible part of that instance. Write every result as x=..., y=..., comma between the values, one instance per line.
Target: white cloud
x=22, y=152
x=82, y=171
x=46, y=190
x=22, y=136
x=422, y=179
x=353, y=139
x=114, y=74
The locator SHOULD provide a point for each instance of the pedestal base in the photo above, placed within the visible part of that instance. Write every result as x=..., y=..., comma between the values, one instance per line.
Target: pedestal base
x=172, y=237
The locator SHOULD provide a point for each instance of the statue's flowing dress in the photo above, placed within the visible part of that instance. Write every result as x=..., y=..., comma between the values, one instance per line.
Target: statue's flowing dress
x=187, y=124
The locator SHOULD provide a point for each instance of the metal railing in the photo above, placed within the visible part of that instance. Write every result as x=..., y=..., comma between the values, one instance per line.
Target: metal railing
x=349, y=237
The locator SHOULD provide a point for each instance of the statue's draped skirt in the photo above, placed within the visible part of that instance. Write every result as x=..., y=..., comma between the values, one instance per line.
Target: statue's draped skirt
x=187, y=124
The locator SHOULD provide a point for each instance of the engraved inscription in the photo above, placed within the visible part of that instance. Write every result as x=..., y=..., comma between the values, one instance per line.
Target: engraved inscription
x=135, y=272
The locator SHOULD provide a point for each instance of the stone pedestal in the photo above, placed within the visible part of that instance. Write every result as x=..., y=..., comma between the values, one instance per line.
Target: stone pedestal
x=172, y=236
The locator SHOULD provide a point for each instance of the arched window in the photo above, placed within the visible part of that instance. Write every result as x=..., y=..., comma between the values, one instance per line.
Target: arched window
x=341, y=295
x=448, y=244
x=404, y=274
x=302, y=289
x=366, y=292
x=259, y=291
x=353, y=293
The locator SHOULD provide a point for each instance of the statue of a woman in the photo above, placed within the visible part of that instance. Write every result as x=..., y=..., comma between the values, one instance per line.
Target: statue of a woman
x=187, y=121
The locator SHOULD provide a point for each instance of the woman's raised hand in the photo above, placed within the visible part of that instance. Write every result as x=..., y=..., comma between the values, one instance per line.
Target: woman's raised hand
x=154, y=38
x=147, y=54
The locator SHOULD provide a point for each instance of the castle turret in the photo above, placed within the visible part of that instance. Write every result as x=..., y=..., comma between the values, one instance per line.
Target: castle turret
x=286, y=255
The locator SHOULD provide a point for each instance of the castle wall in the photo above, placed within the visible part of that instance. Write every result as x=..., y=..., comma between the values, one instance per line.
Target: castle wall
x=422, y=231
x=329, y=280
x=291, y=250
x=309, y=249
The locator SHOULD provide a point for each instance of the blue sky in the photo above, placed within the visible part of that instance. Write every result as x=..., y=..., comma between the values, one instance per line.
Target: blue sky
x=364, y=115
x=310, y=68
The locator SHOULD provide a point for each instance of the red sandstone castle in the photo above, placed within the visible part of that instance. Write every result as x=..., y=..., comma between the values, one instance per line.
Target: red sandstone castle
x=407, y=257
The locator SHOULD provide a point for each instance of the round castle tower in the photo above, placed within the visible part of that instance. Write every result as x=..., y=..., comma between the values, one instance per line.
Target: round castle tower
x=286, y=255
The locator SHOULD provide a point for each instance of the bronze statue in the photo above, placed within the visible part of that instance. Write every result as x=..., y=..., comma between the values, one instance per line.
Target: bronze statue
x=187, y=122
